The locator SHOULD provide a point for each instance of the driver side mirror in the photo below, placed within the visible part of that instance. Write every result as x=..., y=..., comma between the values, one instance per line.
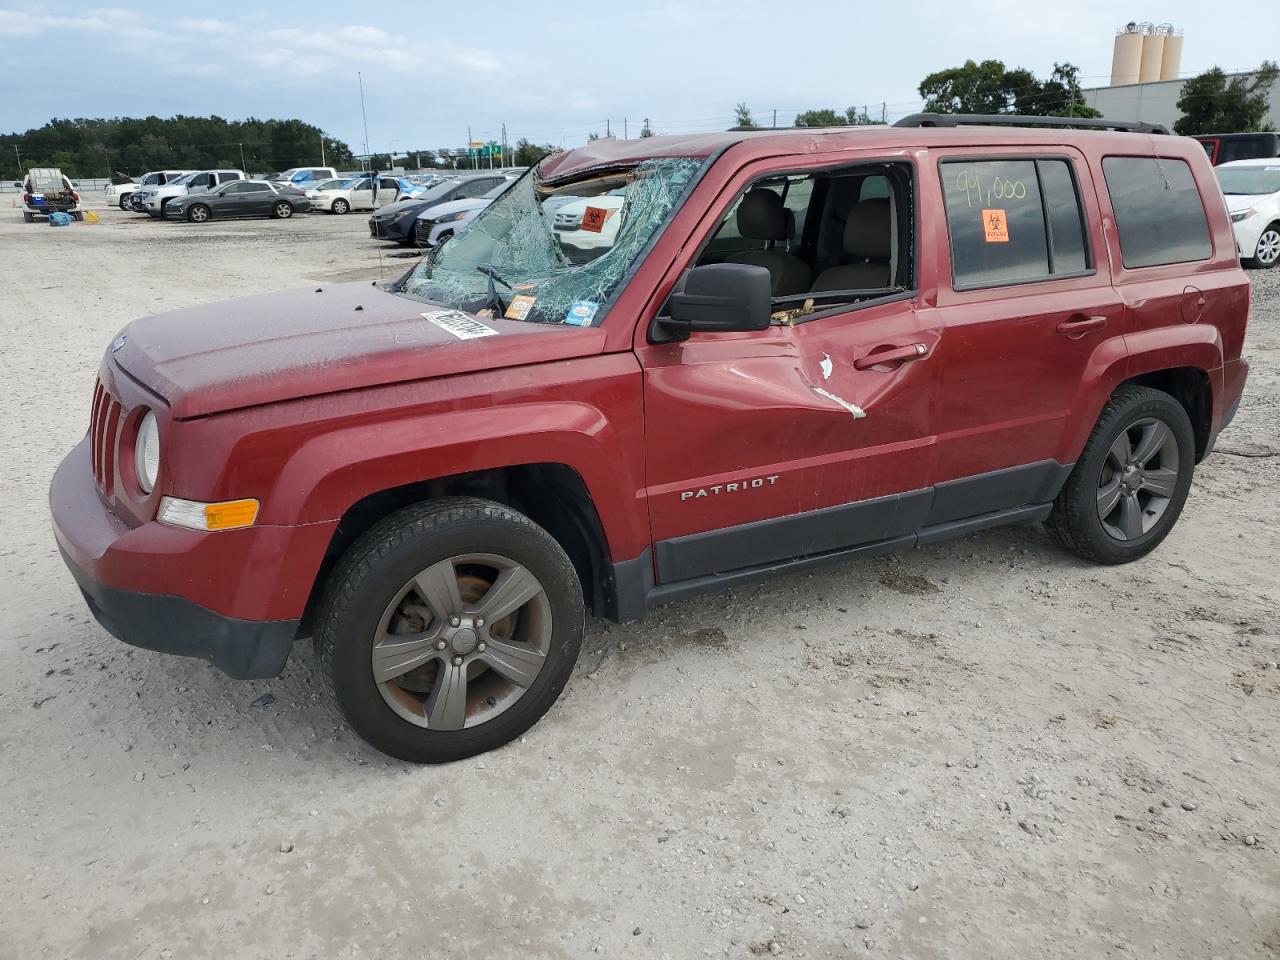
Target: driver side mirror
x=718, y=298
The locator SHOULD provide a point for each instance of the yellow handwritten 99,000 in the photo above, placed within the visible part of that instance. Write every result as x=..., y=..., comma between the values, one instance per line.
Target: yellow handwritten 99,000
x=998, y=189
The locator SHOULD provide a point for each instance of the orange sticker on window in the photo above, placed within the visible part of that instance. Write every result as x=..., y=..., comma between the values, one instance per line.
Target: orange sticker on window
x=593, y=219
x=995, y=226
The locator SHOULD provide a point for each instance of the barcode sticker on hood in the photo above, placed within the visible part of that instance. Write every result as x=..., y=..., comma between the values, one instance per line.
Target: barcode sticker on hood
x=459, y=324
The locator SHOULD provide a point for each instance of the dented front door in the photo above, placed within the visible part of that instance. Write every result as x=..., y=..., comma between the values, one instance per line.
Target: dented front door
x=790, y=442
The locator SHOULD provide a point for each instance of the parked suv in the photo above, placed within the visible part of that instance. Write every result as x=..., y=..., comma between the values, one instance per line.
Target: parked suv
x=800, y=347
x=155, y=199
x=148, y=181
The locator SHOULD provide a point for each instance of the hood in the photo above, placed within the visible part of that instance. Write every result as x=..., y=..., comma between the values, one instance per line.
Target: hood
x=436, y=211
x=1243, y=201
x=302, y=343
x=394, y=209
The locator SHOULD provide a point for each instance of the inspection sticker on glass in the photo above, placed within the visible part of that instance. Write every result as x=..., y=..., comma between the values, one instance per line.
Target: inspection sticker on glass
x=995, y=226
x=459, y=324
x=519, y=307
x=581, y=313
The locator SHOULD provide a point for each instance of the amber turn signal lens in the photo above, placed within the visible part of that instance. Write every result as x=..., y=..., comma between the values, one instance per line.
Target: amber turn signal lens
x=230, y=514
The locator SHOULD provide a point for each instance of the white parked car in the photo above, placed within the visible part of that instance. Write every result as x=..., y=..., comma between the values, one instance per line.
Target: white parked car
x=155, y=178
x=594, y=234
x=357, y=194
x=155, y=199
x=338, y=181
x=1252, y=191
x=436, y=224
x=303, y=178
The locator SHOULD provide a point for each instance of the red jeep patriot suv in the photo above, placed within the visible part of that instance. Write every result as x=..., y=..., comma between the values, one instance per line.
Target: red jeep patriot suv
x=651, y=368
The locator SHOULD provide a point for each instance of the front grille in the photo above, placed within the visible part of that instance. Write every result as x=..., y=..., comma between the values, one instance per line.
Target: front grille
x=104, y=429
x=422, y=230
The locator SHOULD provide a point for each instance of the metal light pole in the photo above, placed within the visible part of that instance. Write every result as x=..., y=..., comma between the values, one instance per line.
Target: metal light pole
x=364, y=115
x=393, y=151
x=243, y=166
x=322, y=163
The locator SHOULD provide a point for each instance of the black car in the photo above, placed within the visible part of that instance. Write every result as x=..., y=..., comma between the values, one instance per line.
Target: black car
x=240, y=198
x=395, y=221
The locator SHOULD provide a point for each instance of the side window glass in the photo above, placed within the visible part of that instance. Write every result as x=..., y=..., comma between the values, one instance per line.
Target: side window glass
x=1066, y=219
x=1159, y=216
x=995, y=221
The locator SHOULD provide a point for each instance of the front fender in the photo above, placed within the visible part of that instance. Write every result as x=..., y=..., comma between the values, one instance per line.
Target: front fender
x=335, y=470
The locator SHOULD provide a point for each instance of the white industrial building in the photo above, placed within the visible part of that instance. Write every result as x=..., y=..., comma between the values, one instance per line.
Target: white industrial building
x=1145, y=81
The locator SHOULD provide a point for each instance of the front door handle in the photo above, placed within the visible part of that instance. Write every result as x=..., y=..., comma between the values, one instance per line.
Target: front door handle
x=912, y=351
x=1077, y=325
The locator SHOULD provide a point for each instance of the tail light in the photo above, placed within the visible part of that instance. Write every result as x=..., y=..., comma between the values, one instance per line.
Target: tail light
x=75, y=196
x=26, y=198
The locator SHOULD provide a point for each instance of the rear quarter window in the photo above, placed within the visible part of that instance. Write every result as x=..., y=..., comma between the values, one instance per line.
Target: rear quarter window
x=1159, y=215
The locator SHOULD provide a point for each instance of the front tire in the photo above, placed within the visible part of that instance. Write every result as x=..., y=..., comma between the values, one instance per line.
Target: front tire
x=124, y=200
x=1267, y=253
x=1130, y=484
x=199, y=213
x=340, y=207
x=449, y=628
x=282, y=210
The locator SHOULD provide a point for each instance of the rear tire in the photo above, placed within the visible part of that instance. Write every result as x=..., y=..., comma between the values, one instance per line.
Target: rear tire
x=1267, y=253
x=1130, y=484
x=282, y=210
x=77, y=215
x=465, y=541
x=28, y=216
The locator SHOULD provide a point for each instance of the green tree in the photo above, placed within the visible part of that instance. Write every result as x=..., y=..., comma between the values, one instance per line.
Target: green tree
x=646, y=130
x=1212, y=104
x=742, y=118
x=527, y=154
x=820, y=118
x=991, y=87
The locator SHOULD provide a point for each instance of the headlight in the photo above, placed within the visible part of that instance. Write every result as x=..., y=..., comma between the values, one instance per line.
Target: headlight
x=406, y=213
x=1242, y=215
x=452, y=218
x=146, y=452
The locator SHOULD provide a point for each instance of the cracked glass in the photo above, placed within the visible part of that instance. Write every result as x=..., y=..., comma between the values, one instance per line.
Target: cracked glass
x=562, y=249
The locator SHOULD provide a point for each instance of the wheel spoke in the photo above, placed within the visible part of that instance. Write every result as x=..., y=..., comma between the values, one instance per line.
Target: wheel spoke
x=1160, y=483
x=446, y=706
x=1154, y=437
x=397, y=654
x=1108, y=497
x=511, y=591
x=518, y=663
x=1121, y=451
x=438, y=586
x=1130, y=517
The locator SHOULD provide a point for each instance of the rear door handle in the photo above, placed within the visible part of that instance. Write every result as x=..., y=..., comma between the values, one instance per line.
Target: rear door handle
x=912, y=351
x=1077, y=325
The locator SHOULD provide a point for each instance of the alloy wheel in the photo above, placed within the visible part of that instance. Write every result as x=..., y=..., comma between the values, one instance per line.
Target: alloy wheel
x=283, y=210
x=462, y=641
x=1269, y=247
x=1138, y=479
x=199, y=214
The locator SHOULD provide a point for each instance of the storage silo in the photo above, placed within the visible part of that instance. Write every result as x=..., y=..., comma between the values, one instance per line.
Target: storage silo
x=1126, y=58
x=1152, y=54
x=1171, y=60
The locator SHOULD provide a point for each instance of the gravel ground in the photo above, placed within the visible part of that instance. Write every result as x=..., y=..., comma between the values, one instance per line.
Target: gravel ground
x=985, y=748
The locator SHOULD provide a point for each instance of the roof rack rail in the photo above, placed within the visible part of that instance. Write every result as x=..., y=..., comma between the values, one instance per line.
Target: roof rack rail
x=1015, y=120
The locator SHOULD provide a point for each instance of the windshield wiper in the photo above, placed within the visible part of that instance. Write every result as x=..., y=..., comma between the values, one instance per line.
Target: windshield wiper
x=491, y=297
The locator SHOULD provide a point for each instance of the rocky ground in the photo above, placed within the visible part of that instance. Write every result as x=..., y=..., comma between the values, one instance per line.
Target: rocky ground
x=982, y=749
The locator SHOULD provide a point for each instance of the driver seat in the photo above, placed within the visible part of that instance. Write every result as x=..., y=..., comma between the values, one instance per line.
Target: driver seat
x=762, y=216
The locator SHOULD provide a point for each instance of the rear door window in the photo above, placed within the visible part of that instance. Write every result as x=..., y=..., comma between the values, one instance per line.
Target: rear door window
x=1159, y=216
x=1013, y=221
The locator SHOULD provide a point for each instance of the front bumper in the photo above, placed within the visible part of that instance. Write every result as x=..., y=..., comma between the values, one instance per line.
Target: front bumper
x=400, y=229
x=235, y=599
x=1247, y=234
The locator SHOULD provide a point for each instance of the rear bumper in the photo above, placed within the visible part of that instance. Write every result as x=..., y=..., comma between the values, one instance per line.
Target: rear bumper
x=234, y=599
x=1234, y=375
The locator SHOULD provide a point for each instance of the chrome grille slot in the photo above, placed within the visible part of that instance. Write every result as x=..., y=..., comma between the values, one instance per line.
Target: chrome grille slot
x=104, y=429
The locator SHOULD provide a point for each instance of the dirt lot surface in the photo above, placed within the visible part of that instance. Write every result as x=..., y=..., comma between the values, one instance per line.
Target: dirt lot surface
x=982, y=749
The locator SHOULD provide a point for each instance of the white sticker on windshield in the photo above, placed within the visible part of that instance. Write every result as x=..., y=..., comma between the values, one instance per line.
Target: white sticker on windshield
x=459, y=324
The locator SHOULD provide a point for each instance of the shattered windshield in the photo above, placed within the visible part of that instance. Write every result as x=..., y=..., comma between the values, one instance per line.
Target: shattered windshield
x=554, y=254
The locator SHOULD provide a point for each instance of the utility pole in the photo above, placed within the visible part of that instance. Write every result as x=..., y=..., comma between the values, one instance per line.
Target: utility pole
x=504, y=145
x=468, y=146
x=243, y=165
x=624, y=128
x=774, y=126
x=607, y=132
x=363, y=114
x=18, y=153
x=322, y=163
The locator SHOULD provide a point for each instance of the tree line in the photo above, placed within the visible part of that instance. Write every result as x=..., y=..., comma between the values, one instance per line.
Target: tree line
x=1210, y=103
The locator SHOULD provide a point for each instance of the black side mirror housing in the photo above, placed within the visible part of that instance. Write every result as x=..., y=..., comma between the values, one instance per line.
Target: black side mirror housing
x=718, y=298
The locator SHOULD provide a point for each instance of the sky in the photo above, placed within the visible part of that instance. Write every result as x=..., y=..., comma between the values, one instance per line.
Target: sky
x=556, y=71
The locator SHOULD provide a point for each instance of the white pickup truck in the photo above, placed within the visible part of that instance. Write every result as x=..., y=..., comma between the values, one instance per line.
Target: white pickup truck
x=154, y=199
x=47, y=190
